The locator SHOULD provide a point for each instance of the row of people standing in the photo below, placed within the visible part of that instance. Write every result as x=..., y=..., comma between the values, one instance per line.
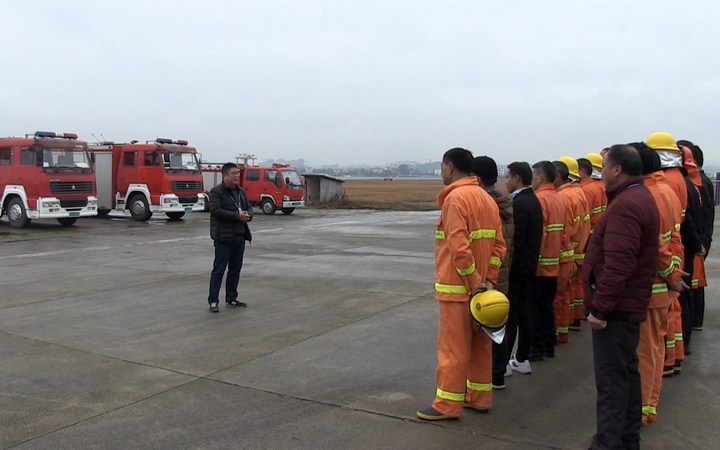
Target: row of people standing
x=546, y=222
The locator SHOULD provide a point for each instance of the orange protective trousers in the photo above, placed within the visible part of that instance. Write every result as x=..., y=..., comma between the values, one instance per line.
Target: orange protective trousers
x=578, y=309
x=675, y=351
x=650, y=351
x=563, y=299
x=464, y=362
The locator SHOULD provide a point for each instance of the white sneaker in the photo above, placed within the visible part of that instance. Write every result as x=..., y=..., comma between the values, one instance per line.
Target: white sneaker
x=522, y=367
x=508, y=370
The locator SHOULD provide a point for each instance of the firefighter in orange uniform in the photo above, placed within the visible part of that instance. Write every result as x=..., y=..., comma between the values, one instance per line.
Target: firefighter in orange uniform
x=671, y=162
x=469, y=248
x=651, y=346
x=594, y=190
x=577, y=231
x=553, y=209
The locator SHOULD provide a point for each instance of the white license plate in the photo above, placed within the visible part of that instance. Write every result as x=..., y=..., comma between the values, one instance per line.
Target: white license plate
x=74, y=214
x=188, y=209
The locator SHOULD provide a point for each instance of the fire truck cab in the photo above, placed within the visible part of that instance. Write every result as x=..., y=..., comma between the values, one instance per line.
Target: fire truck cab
x=140, y=179
x=271, y=188
x=46, y=175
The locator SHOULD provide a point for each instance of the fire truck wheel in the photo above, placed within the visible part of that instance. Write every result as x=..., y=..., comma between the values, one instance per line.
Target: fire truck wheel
x=16, y=214
x=139, y=209
x=67, y=221
x=287, y=210
x=268, y=207
x=175, y=215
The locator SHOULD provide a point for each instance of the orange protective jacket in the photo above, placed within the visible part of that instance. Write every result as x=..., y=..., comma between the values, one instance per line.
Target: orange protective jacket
x=583, y=212
x=572, y=221
x=597, y=199
x=673, y=204
x=676, y=181
x=469, y=244
x=553, y=211
x=667, y=272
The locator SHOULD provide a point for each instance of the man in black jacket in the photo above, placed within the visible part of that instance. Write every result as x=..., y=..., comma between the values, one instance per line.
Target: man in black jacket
x=230, y=212
x=527, y=238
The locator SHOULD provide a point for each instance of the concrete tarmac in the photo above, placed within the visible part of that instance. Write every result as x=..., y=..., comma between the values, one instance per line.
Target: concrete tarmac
x=106, y=341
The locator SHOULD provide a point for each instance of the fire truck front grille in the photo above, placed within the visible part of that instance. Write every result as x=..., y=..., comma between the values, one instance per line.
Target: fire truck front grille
x=188, y=200
x=71, y=187
x=180, y=186
x=71, y=204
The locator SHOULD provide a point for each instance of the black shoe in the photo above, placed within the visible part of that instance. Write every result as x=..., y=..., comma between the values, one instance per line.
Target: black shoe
x=214, y=307
x=431, y=414
x=236, y=303
x=498, y=383
x=549, y=352
x=687, y=348
x=575, y=326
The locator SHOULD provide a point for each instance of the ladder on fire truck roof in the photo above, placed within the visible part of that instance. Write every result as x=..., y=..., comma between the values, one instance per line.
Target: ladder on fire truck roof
x=243, y=158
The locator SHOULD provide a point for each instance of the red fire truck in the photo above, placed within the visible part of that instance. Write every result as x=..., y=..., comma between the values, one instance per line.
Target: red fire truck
x=46, y=175
x=272, y=188
x=158, y=176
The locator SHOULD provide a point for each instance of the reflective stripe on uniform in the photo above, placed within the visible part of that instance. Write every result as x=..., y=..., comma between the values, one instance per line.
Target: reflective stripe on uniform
x=567, y=253
x=562, y=330
x=677, y=261
x=659, y=288
x=580, y=256
x=495, y=261
x=678, y=337
x=682, y=213
x=587, y=218
x=670, y=344
x=479, y=387
x=465, y=272
x=695, y=282
x=647, y=409
x=549, y=261
x=666, y=272
x=555, y=227
x=597, y=210
x=482, y=234
x=450, y=288
x=576, y=219
x=439, y=234
x=453, y=397
x=665, y=237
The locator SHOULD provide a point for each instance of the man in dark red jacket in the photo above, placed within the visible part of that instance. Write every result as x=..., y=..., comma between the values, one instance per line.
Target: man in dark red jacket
x=618, y=273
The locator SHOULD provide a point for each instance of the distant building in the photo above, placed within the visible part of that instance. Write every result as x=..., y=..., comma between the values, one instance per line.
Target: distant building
x=322, y=189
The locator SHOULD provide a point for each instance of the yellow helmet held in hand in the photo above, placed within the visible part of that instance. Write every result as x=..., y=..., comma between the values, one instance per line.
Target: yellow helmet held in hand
x=490, y=308
x=571, y=164
x=595, y=159
x=663, y=141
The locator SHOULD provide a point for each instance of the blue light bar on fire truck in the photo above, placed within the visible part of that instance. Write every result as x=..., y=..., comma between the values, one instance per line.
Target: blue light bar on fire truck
x=170, y=141
x=52, y=134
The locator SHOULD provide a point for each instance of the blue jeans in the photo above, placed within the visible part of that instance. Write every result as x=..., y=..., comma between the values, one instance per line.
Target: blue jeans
x=228, y=256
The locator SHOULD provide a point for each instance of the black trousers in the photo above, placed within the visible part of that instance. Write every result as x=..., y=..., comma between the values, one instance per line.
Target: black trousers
x=699, y=312
x=687, y=304
x=543, y=316
x=619, y=398
x=228, y=256
x=520, y=326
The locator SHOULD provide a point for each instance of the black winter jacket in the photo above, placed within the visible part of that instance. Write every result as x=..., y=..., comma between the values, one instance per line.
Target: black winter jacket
x=224, y=221
x=528, y=219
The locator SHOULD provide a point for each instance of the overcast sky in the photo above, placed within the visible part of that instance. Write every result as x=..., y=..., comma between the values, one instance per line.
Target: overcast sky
x=365, y=81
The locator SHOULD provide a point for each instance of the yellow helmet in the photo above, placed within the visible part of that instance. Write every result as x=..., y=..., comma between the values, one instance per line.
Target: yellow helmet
x=571, y=164
x=490, y=308
x=663, y=141
x=595, y=159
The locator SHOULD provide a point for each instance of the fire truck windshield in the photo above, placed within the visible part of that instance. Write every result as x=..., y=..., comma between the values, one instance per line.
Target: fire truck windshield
x=180, y=161
x=292, y=178
x=65, y=158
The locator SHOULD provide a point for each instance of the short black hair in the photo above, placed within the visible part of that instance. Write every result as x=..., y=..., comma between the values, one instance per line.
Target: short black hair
x=649, y=158
x=460, y=158
x=695, y=150
x=585, y=165
x=627, y=158
x=523, y=170
x=227, y=166
x=561, y=169
x=546, y=169
x=485, y=168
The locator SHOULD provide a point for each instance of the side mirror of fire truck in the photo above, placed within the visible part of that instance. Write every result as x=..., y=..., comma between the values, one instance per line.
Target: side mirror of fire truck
x=287, y=181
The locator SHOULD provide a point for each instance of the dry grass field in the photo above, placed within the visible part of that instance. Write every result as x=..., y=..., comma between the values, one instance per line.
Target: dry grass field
x=399, y=194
